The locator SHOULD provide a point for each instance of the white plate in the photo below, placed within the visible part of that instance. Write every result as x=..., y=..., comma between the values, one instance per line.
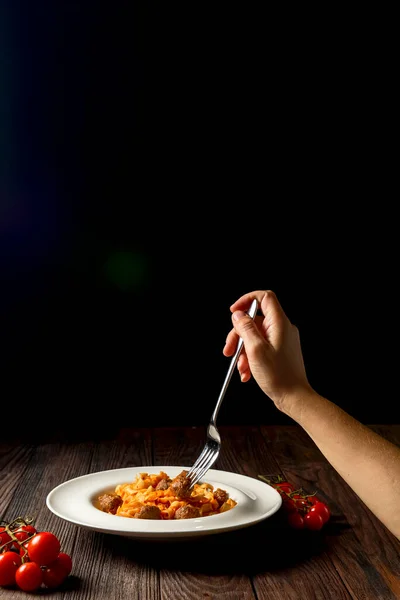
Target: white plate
x=74, y=500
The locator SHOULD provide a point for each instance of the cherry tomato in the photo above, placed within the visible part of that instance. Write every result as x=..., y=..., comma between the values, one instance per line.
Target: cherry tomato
x=29, y=577
x=322, y=509
x=285, y=486
x=30, y=529
x=54, y=575
x=22, y=534
x=313, y=521
x=288, y=505
x=295, y=520
x=312, y=499
x=9, y=563
x=44, y=548
x=23, y=551
x=66, y=561
x=301, y=504
x=4, y=537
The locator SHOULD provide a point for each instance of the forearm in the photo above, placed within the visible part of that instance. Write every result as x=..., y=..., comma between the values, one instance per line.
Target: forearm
x=364, y=459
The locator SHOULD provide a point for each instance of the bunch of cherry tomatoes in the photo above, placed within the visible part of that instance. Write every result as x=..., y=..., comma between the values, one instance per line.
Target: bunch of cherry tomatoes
x=303, y=511
x=30, y=559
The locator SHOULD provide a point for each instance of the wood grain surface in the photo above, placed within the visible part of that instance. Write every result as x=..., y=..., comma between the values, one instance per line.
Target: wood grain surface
x=353, y=557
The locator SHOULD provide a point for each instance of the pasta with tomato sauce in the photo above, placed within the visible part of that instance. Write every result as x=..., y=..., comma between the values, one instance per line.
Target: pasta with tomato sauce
x=157, y=496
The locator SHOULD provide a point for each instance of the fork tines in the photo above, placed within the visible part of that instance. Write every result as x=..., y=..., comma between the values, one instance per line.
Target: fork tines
x=204, y=462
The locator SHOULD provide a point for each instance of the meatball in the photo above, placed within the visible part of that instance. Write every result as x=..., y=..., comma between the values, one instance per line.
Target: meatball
x=187, y=512
x=163, y=484
x=180, y=485
x=148, y=512
x=221, y=496
x=109, y=503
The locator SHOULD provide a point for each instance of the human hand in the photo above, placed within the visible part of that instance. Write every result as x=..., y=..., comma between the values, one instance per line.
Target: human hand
x=271, y=348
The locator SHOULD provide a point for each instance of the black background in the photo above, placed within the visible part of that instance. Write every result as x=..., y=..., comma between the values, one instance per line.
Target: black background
x=160, y=161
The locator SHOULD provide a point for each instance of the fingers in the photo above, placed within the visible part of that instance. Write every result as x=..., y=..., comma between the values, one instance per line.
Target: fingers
x=244, y=368
x=243, y=303
x=232, y=338
x=246, y=328
x=243, y=363
x=265, y=328
x=267, y=301
x=230, y=343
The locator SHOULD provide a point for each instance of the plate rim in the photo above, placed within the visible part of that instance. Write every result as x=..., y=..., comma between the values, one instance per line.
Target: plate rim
x=174, y=528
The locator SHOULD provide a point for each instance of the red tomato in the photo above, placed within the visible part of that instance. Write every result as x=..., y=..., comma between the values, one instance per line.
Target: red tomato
x=29, y=577
x=288, y=505
x=313, y=520
x=23, y=551
x=312, y=499
x=296, y=520
x=300, y=503
x=30, y=529
x=285, y=486
x=22, y=534
x=9, y=563
x=322, y=509
x=4, y=537
x=55, y=574
x=44, y=548
x=66, y=561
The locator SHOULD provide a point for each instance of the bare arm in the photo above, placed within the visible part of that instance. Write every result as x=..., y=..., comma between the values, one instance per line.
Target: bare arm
x=363, y=458
x=272, y=355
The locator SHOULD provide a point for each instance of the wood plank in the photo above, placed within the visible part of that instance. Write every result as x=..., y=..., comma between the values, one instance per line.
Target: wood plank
x=354, y=557
x=14, y=460
x=364, y=552
x=130, y=448
x=177, y=446
x=245, y=451
x=284, y=569
x=200, y=566
x=49, y=465
x=102, y=564
x=112, y=563
x=113, y=567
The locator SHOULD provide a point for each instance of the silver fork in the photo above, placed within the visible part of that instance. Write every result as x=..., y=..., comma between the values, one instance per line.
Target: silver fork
x=212, y=446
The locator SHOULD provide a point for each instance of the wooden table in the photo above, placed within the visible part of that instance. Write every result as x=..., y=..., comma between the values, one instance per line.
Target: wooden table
x=354, y=556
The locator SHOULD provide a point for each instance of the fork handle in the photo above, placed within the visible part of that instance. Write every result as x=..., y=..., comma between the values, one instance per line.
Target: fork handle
x=252, y=313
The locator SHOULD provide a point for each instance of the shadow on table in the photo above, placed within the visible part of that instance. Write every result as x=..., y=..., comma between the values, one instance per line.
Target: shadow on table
x=270, y=545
